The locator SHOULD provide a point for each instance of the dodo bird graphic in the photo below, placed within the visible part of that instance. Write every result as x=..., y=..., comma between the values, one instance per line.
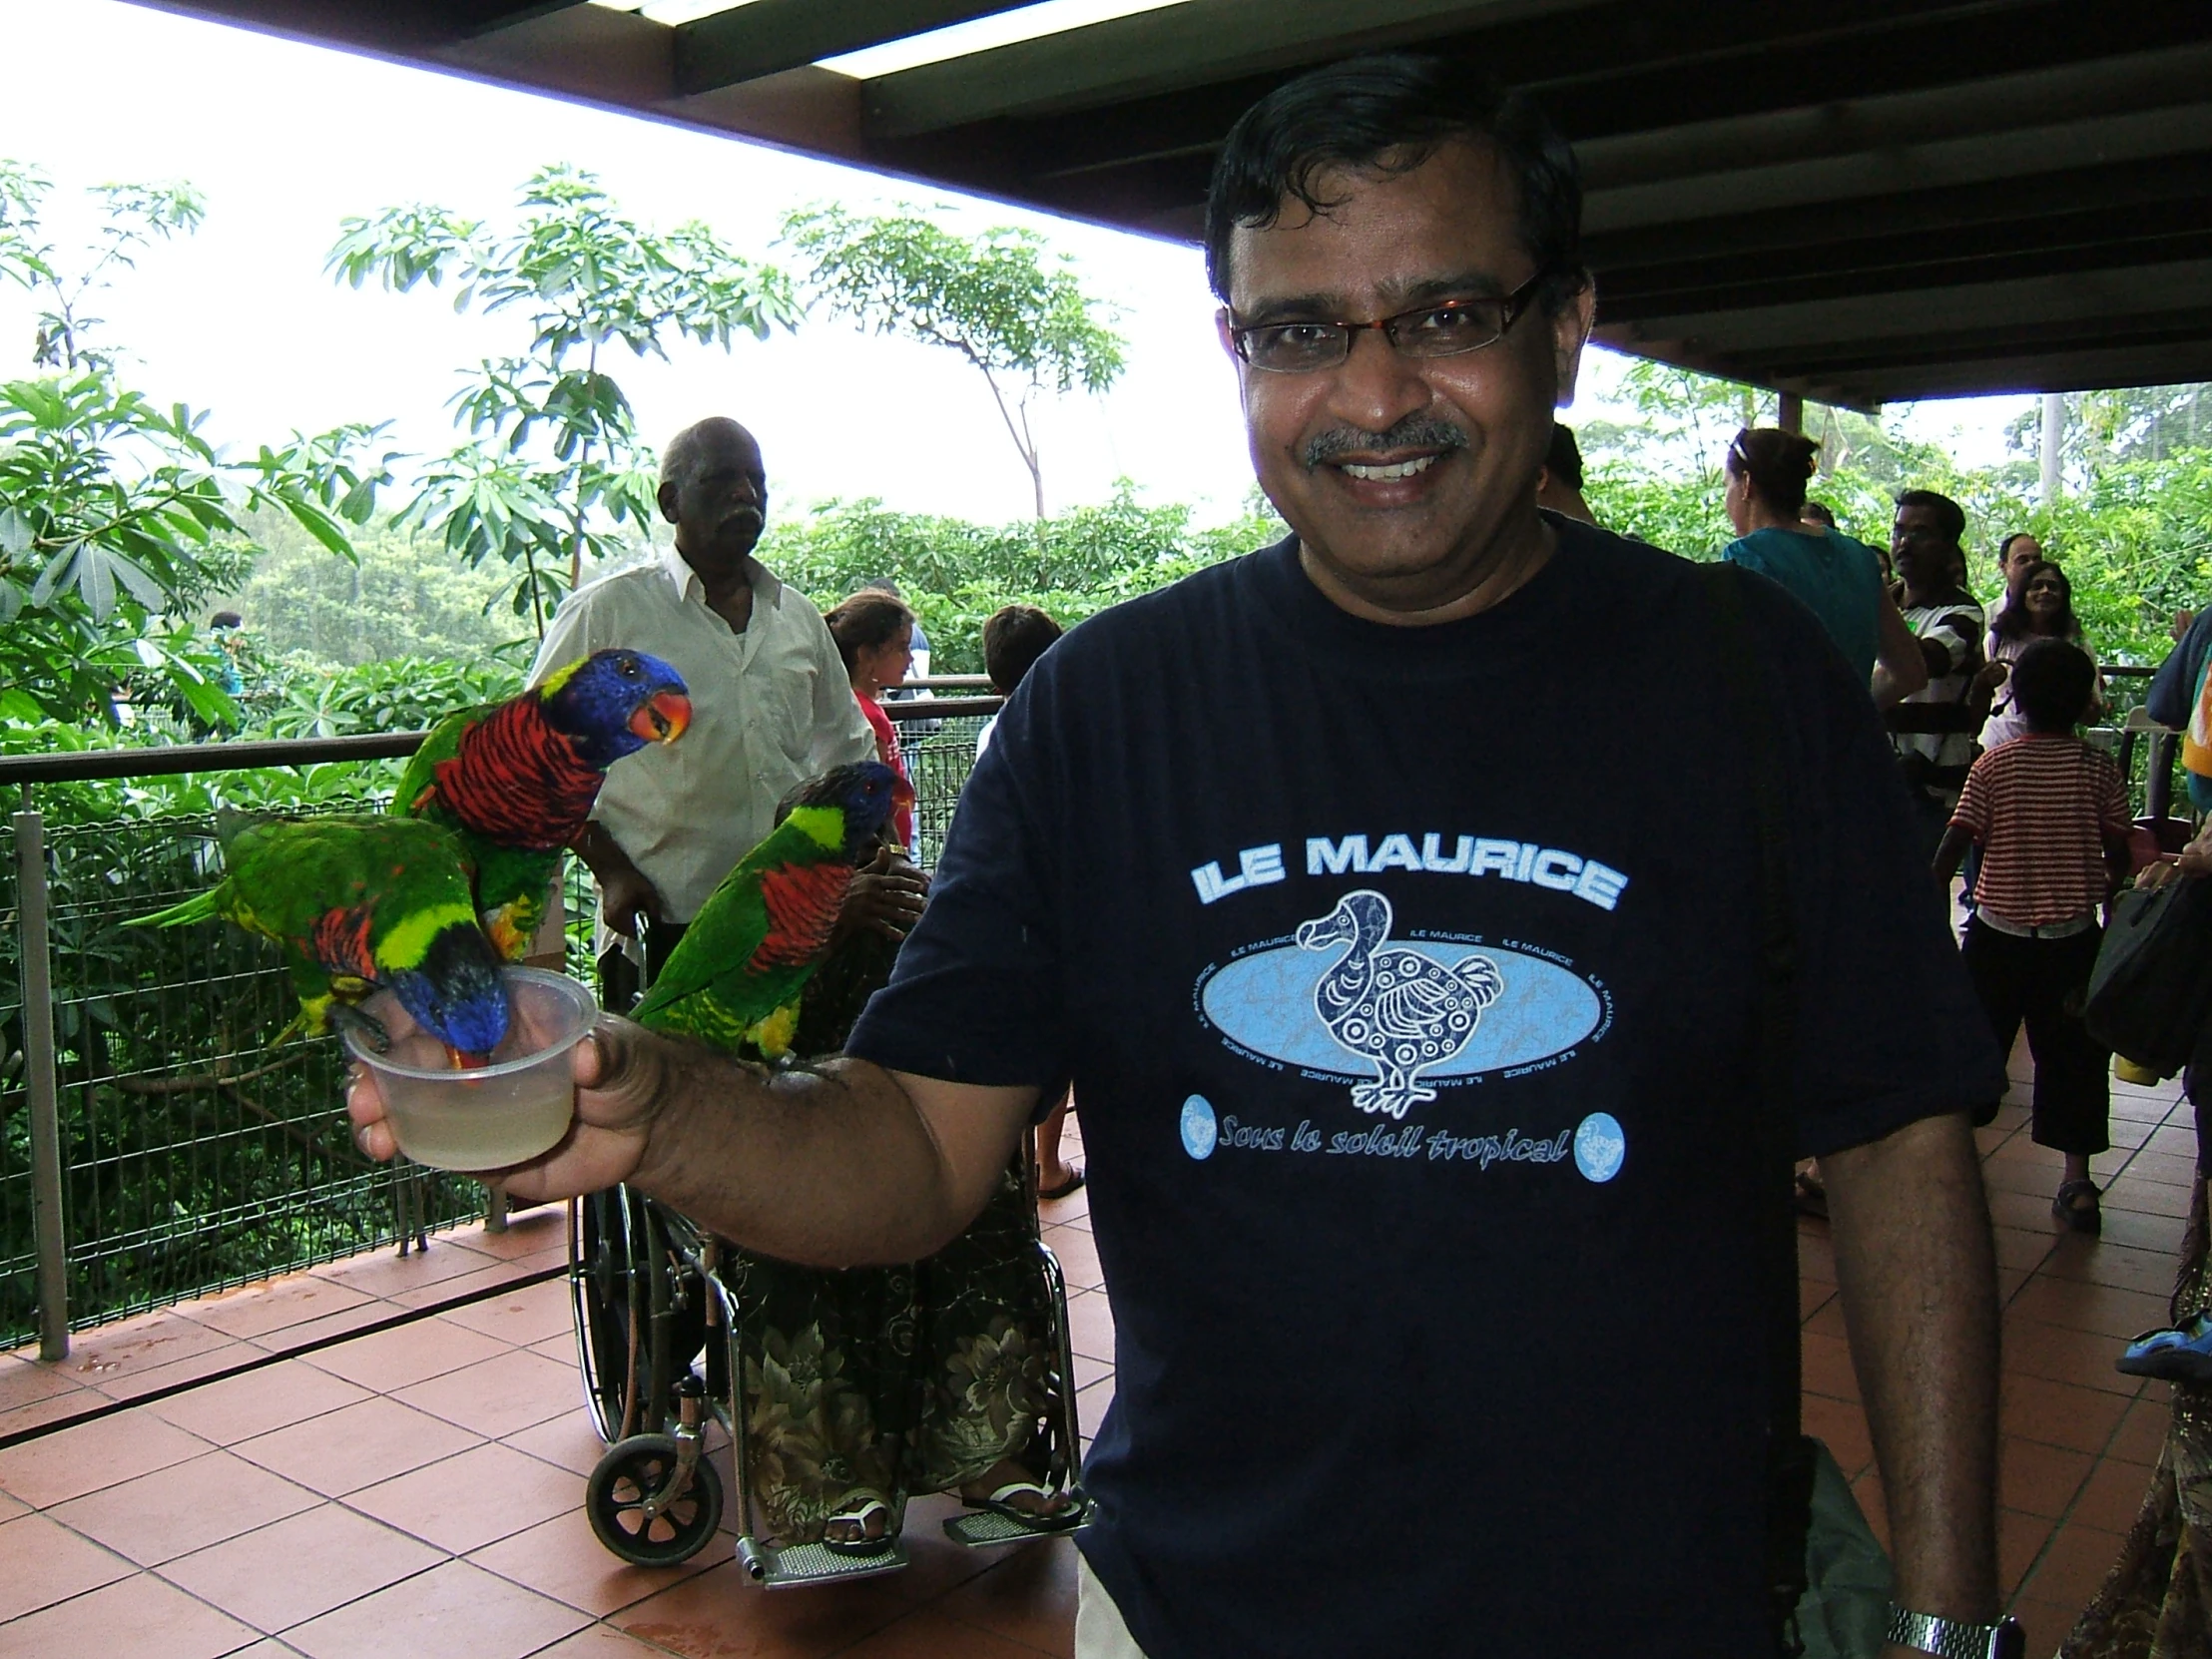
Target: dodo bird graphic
x=1392, y=1004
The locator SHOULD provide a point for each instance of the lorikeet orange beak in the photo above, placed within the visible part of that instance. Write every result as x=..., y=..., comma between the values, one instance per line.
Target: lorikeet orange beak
x=902, y=793
x=465, y=1061
x=663, y=719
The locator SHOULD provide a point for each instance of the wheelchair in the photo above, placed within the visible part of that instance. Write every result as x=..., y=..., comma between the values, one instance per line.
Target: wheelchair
x=665, y=1339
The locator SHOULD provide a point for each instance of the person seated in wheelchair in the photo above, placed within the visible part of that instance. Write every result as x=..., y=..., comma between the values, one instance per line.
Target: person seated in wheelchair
x=867, y=1385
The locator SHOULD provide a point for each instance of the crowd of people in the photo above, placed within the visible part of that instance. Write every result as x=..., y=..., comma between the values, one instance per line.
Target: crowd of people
x=1407, y=904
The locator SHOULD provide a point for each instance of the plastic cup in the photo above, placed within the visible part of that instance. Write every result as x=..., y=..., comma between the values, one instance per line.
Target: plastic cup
x=483, y=1117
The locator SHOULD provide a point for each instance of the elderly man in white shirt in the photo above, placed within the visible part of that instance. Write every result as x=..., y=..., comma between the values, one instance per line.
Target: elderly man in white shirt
x=771, y=702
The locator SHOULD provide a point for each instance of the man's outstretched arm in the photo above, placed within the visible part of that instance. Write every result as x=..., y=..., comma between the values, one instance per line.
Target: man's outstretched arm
x=1916, y=1265
x=842, y=1167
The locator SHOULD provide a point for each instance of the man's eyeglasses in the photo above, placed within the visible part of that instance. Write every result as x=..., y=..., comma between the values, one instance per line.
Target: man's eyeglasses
x=1439, y=330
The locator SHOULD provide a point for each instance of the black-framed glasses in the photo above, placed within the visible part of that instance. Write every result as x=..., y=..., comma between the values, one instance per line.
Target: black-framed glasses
x=1443, y=329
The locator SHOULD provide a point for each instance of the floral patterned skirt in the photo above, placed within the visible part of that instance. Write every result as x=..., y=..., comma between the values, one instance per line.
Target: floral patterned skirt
x=883, y=1383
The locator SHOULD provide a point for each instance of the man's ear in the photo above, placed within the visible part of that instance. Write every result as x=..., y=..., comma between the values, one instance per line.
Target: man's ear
x=666, y=495
x=1570, y=332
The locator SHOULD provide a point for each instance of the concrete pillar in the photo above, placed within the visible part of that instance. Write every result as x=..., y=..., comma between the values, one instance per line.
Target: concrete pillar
x=2055, y=435
x=1789, y=411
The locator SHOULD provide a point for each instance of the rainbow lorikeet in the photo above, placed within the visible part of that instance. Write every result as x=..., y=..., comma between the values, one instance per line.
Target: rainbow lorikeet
x=517, y=779
x=361, y=904
x=736, y=977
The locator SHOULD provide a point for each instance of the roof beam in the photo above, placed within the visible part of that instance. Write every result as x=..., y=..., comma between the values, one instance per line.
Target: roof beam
x=767, y=37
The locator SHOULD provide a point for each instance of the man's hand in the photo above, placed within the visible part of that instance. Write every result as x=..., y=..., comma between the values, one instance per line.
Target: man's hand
x=624, y=892
x=620, y=1070
x=884, y=896
x=1991, y=676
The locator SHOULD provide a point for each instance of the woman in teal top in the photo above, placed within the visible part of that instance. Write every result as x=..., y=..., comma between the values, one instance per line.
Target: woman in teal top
x=1838, y=579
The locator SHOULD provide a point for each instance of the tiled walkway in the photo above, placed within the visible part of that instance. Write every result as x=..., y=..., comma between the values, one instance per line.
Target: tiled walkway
x=418, y=1490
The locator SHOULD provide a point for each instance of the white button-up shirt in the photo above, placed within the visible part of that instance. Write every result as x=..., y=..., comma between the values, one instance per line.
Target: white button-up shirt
x=771, y=707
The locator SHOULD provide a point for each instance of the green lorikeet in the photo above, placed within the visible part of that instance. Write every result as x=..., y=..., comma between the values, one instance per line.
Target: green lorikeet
x=361, y=904
x=517, y=779
x=736, y=977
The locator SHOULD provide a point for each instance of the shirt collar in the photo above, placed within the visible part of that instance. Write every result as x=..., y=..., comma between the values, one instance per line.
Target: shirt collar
x=766, y=589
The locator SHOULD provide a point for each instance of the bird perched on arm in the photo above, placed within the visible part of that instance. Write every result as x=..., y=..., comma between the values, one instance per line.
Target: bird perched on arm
x=736, y=977
x=516, y=780
x=361, y=904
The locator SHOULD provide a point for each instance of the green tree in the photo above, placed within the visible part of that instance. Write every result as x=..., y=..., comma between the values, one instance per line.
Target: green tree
x=567, y=468
x=117, y=516
x=1022, y=320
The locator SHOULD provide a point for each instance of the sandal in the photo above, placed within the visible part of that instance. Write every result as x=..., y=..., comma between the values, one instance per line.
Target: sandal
x=2172, y=1356
x=1071, y=1513
x=1812, y=1196
x=859, y=1515
x=1067, y=1189
x=2082, y=1218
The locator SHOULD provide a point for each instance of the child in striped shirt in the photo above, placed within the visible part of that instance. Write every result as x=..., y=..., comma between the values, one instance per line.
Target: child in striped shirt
x=2050, y=815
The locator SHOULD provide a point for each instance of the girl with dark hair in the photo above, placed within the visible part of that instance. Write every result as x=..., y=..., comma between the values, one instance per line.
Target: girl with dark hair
x=875, y=637
x=1838, y=579
x=2039, y=606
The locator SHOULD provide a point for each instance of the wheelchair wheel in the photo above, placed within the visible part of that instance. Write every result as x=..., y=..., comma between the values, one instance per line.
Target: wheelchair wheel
x=623, y=1482
x=612, y=1301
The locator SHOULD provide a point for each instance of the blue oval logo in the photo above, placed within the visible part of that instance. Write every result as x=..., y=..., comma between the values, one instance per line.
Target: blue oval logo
x=1264, y=1001
x=1600, y=1147
x=1199, y=1129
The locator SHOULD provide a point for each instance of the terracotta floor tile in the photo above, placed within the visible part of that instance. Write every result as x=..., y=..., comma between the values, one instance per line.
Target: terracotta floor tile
x=487, y=1280
x=2075, y=1567
x=1089, y=1370
x=25, y=1380
x=137, y=1345
x=42, y=1562
x=72, y=1461
x=386, y=1273
x=460, y=1504
x=2158, y=1166
x=330, y=1327
x=1091, y=1325
x=260, y=1309
x=2050, y=1351
x=408, y=1354
x=722, y=1614
x=935, y=1563
x=41, y=1413
x=528, y=1232
x=2045, y=1623
x=187, y=1507
x=2040, y=1480
x=238, y=1408
x=2152, y=1197
x=455, y=1609
x=569, y=1440
x=929, y=1634
x=500, y=1395
x=1828, y=1368
x=2101, y=1261
x=138, y=1617
x=2021, y=1542
x=342, y=1557
x=2081, y=1305
x=193, y=1367
x=528, y=1315
x=561, y=1348
x=601, y=1641
x=355, y=1446
x=1844, y=1428
x=2125, y=1132
x=2113, y=1497
x=1078, y=1253
x=2142, y=1435
x=1828, y=1319
x=2018, y=1248
x=2059, y=1413
x=2026, y=1212
x=1091, y=1403
x=1030, y=1598
x=2173, y=1141
x=563, y=1558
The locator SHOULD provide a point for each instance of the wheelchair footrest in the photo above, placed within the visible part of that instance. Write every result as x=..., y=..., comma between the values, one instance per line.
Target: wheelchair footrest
x=985, y=1528
x=776, y=1569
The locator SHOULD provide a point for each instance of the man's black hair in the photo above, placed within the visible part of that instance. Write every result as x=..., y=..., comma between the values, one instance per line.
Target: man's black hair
x=1014, y=637
x=1564, y=460
x=1949, y=514
x=1389, y=114
x=225, y=619
x=2050, y=683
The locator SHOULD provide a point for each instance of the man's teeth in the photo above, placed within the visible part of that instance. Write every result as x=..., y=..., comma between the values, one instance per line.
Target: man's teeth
x=1397, y=470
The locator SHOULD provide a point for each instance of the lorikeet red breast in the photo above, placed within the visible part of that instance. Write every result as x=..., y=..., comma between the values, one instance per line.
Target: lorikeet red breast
x=517, y=779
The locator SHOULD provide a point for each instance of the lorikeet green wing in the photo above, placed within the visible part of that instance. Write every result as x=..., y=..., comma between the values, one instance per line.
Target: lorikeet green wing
x=516, y=780
x=736, y=978
x=358, y=903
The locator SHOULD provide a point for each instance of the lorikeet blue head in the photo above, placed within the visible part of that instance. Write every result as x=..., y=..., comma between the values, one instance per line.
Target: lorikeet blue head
x=455, y=994
x=614, y=702
x=868, y=792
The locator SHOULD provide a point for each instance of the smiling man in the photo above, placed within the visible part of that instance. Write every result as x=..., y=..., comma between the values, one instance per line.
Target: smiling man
x=1388, y=896
x=771, y=703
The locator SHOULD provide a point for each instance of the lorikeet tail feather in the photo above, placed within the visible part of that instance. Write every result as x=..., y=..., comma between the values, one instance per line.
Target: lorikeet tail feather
x=201, y=906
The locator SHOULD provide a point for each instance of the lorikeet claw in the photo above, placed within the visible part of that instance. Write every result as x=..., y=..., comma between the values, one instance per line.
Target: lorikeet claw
x=344, y=1016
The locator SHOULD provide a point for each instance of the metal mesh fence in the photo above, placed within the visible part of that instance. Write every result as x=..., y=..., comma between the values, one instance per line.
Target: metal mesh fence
x=195, y=1156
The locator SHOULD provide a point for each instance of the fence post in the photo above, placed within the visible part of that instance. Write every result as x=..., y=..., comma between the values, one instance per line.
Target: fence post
x=45, y=1091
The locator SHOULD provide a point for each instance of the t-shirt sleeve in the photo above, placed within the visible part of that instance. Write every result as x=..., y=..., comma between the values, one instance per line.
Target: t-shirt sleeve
x=976, y=994
x=1973, y=811
x=2113, y=817
x=1887, y=1030
x=1957, y=631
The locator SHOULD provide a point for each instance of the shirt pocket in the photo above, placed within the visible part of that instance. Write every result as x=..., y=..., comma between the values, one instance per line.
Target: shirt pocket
x=788, y=703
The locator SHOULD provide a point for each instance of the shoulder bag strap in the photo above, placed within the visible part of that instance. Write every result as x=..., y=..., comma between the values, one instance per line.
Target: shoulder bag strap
x=1789, y=1462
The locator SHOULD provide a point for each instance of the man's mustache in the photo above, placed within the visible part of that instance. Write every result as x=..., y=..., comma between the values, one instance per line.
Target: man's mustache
x=1417, y=432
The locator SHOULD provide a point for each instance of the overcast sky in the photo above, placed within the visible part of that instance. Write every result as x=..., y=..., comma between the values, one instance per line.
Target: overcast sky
x=286, y=139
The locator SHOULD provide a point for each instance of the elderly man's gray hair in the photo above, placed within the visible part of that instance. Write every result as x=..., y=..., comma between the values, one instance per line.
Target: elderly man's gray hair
x=681, y=459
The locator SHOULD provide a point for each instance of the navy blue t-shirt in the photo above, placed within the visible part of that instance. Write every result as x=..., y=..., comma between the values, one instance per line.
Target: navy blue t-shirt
x=1406, y=978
